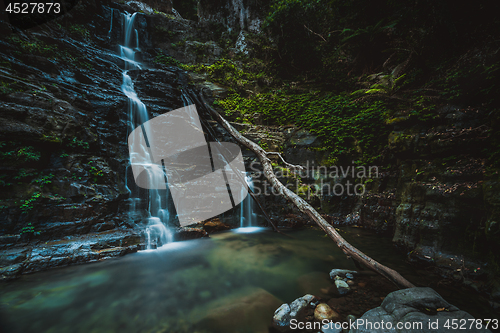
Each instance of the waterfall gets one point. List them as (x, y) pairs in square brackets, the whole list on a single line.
[(248, 218), (158, 217), (111, 23)]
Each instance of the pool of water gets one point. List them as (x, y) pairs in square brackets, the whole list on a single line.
[(230, 282)]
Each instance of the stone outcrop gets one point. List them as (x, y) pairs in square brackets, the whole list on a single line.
[(414, 306)]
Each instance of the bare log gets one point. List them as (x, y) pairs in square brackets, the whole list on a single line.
[(190, 95), (285, 162), (304, 207)]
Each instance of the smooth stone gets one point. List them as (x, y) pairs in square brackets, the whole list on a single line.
[(342, 287), (323, 311), (300, 304), (341, 273), (341, 284)]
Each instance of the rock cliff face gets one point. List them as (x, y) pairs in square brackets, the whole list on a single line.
[(434, 192), (235, 15), (64, 195), (62, 134)]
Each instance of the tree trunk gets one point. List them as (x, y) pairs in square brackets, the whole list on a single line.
[(304, 207)]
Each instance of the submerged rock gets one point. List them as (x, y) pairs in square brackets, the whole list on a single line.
[(413, 306), (316, 283), (250, 308)]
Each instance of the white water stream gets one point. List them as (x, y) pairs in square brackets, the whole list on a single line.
[(248, 218), (157, 233)]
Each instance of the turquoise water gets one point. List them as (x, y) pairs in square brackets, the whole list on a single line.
[(231, 282)]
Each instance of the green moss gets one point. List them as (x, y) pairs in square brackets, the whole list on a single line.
[(51, 138), (343, 124), (35, 46), (51, 52), (227, 72), (167, 60)]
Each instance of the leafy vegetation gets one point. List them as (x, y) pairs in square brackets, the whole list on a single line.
[(13, 151), (43, 180), (29, 229), (95, 172), (76, 143), (27, 205)]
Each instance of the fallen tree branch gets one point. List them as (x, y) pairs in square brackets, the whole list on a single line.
[(304, 207), (323, 38), (188, 97), (285, 162)]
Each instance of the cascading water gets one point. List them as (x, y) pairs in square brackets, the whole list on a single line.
[(158, 218), (247, 216)]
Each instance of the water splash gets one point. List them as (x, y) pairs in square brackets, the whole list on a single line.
[(157, 233)]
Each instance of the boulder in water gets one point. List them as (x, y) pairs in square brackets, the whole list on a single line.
[(281, 318)]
